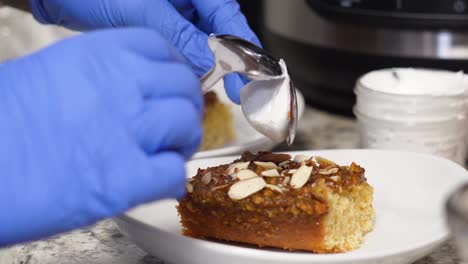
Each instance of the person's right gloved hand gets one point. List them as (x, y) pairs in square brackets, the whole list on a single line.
[(185, 23), (91, 127)]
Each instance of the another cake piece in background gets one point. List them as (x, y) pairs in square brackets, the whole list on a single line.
[(269, 200), (218, 123)]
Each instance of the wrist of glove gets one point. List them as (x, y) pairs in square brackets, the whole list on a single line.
[(90, 130), (185, 23)]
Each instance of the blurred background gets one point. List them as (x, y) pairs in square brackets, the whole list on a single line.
[(328, 44)]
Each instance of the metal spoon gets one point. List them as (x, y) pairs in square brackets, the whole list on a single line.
[(233, 54)]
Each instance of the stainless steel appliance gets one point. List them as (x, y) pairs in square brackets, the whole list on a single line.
[(328, 44)]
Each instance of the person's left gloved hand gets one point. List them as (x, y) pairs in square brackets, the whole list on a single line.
[(186, 23), (92, 126)]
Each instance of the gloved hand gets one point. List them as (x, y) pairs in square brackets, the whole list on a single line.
[(184, 22), (90, 127)]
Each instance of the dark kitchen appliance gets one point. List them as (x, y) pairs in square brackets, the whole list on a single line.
[(328, 44)]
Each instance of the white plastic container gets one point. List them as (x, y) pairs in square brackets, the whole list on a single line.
[(414, 109)]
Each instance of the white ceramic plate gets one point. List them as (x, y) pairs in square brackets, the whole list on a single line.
[(247, 138), (410, 192)]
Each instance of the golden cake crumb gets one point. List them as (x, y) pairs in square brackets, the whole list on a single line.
[(218, 123)]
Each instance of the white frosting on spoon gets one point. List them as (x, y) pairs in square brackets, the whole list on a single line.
[(266, 105)]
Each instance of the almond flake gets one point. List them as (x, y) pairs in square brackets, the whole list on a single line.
[(238, 166), (300, 177), (266, 165), (243, 189), (274, 188), (189, 187), (329, 170), (314, 159), (246, 174), (292, 171), (286, 180), (219, 187), (270, 173), (323, 161), (335, 178), (301, 158), (206, 179)]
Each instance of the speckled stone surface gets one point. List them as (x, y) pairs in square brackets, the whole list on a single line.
[(103, 243)]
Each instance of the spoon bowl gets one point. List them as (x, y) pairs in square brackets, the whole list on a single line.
[(235, 55)]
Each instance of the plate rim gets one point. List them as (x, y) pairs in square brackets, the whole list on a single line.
[(234, 250)]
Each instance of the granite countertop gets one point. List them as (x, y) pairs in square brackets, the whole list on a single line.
[(104, 244)]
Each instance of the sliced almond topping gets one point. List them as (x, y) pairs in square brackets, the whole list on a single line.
[(329, 170), (243, 189), (189, 187), (301, 158), (314, 159), (238, 166), (206, 179), (335, 178), (324, 161), (286, 180), (274, 188), (284, 163), (292, 171), (266, 165), (246, 174), (300, 177), (270, 173), (219, 187)]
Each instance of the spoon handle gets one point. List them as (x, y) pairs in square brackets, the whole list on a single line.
[(211, 78)]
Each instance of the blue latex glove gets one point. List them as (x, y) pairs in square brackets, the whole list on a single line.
[(90, 127), (184, 22)]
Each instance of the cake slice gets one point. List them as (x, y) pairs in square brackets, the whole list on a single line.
[(218, 123), (271, 200)]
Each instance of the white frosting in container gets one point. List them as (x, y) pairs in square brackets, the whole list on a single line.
[(408, 81), (415, 110)]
